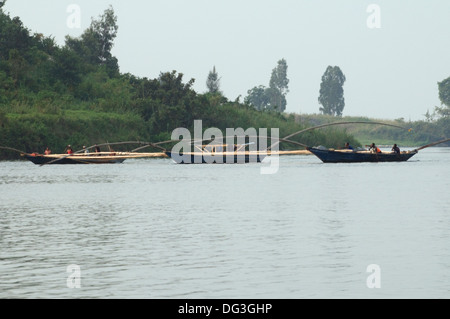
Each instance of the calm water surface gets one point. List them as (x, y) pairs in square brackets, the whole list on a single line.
[(154, 229)]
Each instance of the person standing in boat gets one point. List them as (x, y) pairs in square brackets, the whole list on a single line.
[(396, 149), (373, 148)]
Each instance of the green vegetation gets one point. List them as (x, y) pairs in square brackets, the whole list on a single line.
[(272, 98), (75, 94), (421, 133)]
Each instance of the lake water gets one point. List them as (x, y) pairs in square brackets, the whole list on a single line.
[(154, 229)]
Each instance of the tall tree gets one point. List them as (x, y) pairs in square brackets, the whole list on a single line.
[(272, 98), (97, 41), (213, 81), (279, 87), (332, 92), (105, 31)]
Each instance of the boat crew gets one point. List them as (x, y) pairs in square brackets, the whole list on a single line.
[(396, 149), (373, 148)]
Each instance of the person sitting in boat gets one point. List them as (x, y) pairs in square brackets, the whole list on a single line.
[(348, 146), (97, 149), (47, 151), (373, 148), (396, 149), (69, 150), (86, 151)]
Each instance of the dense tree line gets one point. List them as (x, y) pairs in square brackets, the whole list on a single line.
[(75, 94)]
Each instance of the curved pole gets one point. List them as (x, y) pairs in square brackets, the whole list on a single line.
[(432, 144), (13, 149), (253, 136), (154, 145), (336, 123), (210, 139)]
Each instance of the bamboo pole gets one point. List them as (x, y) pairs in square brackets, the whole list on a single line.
[(13, 149), (432, 144)]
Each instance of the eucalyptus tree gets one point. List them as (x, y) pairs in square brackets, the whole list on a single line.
[(279, 86), (332, 92)]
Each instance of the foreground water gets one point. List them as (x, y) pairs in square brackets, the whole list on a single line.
[(154, 229)]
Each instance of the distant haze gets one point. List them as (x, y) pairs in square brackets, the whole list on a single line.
[(392, 68)]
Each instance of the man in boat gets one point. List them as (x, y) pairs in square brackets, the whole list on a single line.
[(373, 148), (86, 151), (396, 149), (348, 146), (47, 151)]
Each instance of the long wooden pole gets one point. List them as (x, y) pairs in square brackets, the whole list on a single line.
[(432, 144), (253, 136), (13, 149)]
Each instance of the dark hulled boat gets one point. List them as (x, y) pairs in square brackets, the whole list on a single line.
[(40, 159), (217, 158), (349, 156)]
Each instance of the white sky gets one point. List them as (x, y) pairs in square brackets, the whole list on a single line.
[(391, 71)]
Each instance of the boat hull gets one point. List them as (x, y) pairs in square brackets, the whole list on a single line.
[(332, 156), (208, 158), (42, 159)]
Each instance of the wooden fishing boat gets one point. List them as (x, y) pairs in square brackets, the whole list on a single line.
[(228, 154), (225, 154), (349, 156), (40, 159), (91, 158), (216, 158)]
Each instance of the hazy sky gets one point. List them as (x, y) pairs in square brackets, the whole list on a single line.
[(392, 71)]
